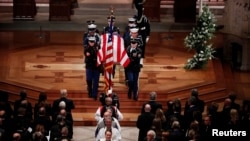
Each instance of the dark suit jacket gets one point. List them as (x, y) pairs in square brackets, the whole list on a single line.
[(144, 123), (154, 106), (69, 104)]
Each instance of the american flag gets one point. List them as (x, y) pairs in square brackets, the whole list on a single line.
[(112, 51)]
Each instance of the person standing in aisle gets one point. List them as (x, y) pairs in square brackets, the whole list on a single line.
[(92, 70), (133, 69), (144, 30)]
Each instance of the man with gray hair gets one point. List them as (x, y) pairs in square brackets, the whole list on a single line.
[(144, 122), (63, 97), (152, 102), (151, 136)]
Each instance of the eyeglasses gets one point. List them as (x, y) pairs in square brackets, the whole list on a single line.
[(133, 42), (91, 41)]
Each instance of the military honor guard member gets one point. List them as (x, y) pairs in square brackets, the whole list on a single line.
[(114, 28), (144, 30), (127, 33), (134, 68), (92, 32), (138, 4), (133, 35), (92, 71), (131, 24)]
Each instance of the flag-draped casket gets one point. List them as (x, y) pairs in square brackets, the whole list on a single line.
[(112, 52)]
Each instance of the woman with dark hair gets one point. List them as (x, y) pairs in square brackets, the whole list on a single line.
[(42, 102)]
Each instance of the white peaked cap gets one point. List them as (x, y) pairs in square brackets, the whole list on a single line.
[(92, 26), (134, 30), (131, 19), (132, 25)]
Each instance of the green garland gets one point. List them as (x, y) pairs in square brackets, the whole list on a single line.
[(198, 40)]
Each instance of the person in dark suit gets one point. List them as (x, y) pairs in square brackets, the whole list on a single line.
[(206, 129), (56, 128), (153, 103), (43, 119), (144, 122), (22, 124), (5, 104), (175, 133), (69, 103), (200, 103), (23, 102), (42, 102), (192, 112)]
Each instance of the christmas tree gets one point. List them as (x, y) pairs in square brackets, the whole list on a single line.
[(198, 40)]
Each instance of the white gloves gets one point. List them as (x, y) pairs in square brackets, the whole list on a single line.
[(147, 39)]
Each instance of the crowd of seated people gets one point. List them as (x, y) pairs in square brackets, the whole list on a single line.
[(192, 123), (46, 122)]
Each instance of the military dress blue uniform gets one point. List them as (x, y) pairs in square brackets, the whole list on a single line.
[(144, 30), (127, 43), (92, 70), (133, 69), (127, 35), (114, 31), (106, 29), (138, 4), (91, 33)]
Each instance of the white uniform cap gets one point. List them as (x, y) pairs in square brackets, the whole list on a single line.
[(134, 30), (132, 25), (92, 26), (131, 19)]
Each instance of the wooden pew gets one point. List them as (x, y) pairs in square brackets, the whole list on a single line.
[(24, 9)]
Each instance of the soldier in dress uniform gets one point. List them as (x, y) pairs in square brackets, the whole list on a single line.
[(114, 28), (114, 31), (134, 68), (127, 33), (131, 24), (92, 32), (144, 30), (138, 4), (133, 34), (89, 22), (92, 70)]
